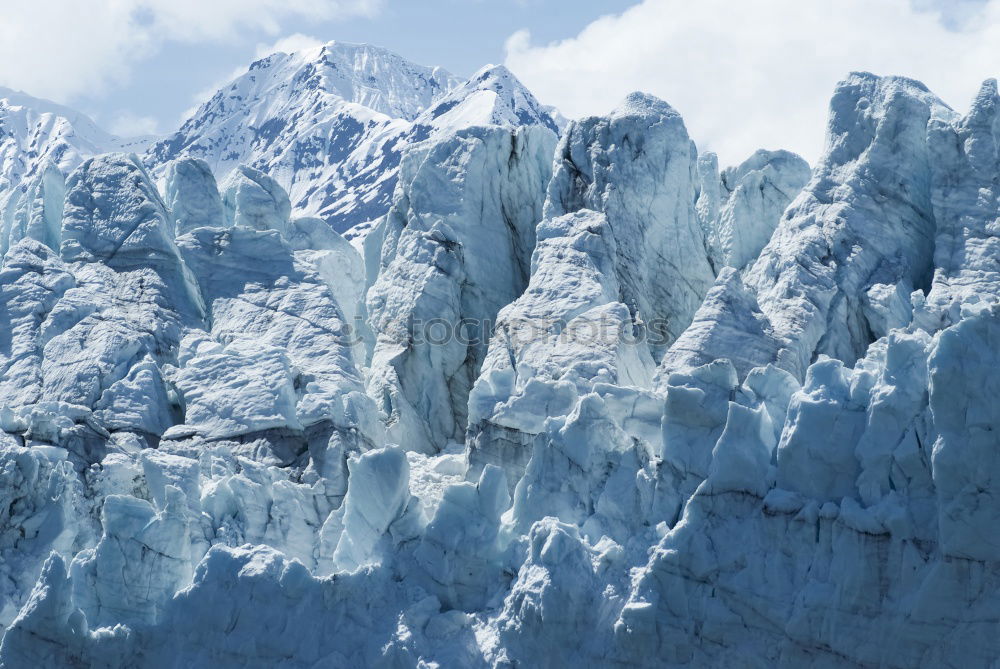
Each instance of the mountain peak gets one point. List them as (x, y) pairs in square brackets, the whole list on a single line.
[(492, 96), (493, 73), (363, 74)]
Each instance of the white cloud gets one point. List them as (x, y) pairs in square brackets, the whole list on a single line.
[(289, 44), (757, 73), (127, 124), (63, 48)]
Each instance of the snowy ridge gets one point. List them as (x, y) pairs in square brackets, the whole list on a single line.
[(678, 416)]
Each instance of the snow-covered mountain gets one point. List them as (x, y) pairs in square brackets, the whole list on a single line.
[(35, 132), (37, 135), (331, 123), (585, 399)]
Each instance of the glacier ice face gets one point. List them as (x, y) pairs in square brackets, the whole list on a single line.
[(865, 494), (41, 143), (963, 460), (288, 355), (620, 268), (111, 350), (192, 196), (878, 126), (729, 324), (33, 280), (119, 297), (456, 248), (552, 604), (139, 402), (44, 511), (824, 284), (115, 220), (638, 166), (965, 206), (142, 558), (378, 499), (460, 558), (205, 458), (342, 269), (255, 200), (38, 212), (594, 468), (749, 200), (236, 389), (552, 344)]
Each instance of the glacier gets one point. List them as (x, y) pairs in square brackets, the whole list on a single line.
[(368, 365)]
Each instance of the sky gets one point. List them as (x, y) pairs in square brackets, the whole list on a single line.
[(138, 66), (744, 74)]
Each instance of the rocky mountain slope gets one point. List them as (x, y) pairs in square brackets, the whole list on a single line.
[(585, 398)]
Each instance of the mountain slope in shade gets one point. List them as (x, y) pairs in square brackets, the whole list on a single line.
[(330, 123)]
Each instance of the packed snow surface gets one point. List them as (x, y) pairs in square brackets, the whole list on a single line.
[(579, 398)]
